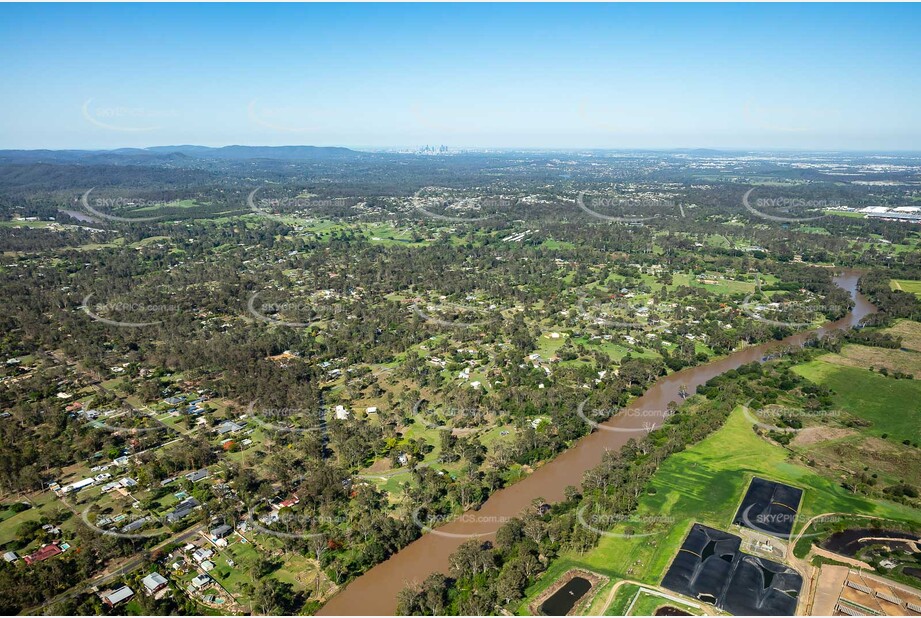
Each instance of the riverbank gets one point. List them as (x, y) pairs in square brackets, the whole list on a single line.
[(375, 592)]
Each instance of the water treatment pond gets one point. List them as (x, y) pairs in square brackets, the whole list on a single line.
[(564, 599)]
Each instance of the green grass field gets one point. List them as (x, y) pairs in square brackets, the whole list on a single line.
[(705, 483), (890, 404), (641, 603), (906, 285)]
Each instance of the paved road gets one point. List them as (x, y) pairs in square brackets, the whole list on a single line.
[(118, 571)]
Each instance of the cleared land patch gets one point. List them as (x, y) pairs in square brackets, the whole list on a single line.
[(906, 285), (704, 483), (909, 331), (890, 404), (862, 357)]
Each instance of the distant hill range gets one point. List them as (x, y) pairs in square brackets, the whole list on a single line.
[(180, 154)]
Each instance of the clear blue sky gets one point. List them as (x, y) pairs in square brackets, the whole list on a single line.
[(777, 76)]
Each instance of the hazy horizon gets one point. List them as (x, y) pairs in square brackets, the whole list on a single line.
[(734, 77)]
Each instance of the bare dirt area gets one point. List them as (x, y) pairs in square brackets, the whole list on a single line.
[(381, 465), (827, 588), (866, 357), (813, 435), (893, 461)]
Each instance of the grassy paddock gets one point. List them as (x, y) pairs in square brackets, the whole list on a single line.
[(890, 404), (906, 285), (705, 484)]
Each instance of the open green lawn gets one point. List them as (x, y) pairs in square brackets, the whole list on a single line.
[(846, 213), (705, 484), (906, 285), (236, 578), (44, 504), (630, 600), (724, 287), (890, 404)]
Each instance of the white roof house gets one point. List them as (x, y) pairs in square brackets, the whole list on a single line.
[(153, 582), (118, 596)]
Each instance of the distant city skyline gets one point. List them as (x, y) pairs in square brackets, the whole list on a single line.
[(599, 76)]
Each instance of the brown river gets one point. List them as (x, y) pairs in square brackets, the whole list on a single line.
[(375, 592)]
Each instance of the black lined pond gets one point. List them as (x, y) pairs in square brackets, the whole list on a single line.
[(564, 599)]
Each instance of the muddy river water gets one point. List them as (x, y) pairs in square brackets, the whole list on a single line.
[(375, 592)]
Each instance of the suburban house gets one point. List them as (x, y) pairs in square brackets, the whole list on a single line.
[(43, 553), (118, 596), (154, 583), (198, 475), (182, 510), (200, 581), (228, 427)]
